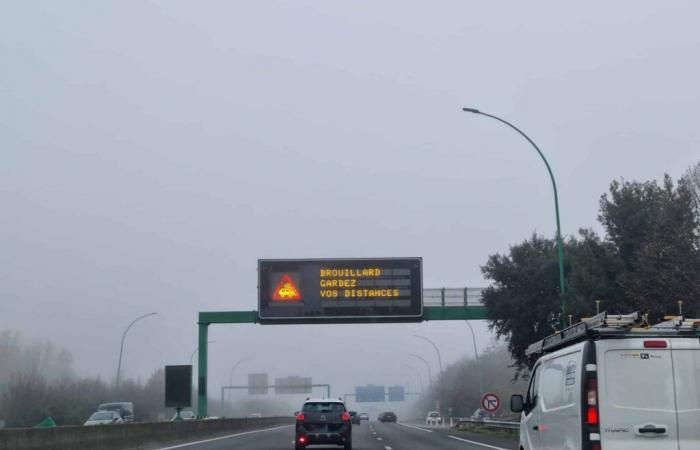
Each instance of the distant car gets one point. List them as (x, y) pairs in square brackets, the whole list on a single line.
[(254, 416), (323, 421), (433, 418), (364, 416), (104, 418), (387, 417), (184, 415), (481, 415), (354, 418), (125, 410)]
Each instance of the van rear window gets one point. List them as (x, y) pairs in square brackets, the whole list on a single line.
[(639, 379)]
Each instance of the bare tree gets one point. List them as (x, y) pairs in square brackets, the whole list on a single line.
[(692, 177)]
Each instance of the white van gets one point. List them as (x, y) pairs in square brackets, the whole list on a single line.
[(606, 384)]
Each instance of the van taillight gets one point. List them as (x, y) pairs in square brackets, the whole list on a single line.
[(592, 416), (300, 416), (592, 401), (655, 344), (595, 446), (345, 417)]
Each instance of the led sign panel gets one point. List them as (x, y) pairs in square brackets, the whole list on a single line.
[(340, 290)]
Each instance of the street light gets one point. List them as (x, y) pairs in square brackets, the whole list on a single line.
[(420, 377), (442, 373), (196, 350), (230, 378), (121, 349), (560, 244), (427, 366), (478, 367)]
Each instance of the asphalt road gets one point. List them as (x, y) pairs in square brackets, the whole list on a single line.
[(368, 436)]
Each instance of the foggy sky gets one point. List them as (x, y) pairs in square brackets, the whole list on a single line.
[(153, 151)]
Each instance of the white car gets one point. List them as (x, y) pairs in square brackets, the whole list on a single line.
[(612, 383), (104, 418), (184, 415), (433, 418)]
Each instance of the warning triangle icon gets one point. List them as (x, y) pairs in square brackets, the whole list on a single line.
[(286, 290)]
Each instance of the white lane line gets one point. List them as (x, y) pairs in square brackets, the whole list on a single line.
[(477, 443), (386, 447), (224, 437), (379, 439), (415, 428)]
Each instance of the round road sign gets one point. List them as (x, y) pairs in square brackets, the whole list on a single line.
[(490, 402)]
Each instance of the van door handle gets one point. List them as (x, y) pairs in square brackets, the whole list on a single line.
[(657, 430), (651, 430)]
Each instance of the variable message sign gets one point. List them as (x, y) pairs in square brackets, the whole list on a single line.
[(340, 290), (257, 383), (293, 385), (178, 386), (396, 393), (369, 393)]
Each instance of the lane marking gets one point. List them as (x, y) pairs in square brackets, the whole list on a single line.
[(379, 439), (477, 443), (224, 437), (415, 428), (386, 447)]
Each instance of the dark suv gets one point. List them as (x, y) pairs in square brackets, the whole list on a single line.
[(323, 421), (387, 417)]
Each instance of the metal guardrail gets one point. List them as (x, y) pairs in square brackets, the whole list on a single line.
[(507, 424), (447, 297)]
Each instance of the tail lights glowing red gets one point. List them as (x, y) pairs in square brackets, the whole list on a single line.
[(592, 401), (592, 415), (300, 416), (302, 439), (345, 417)]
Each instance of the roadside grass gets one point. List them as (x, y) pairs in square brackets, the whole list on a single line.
[(489, 431)]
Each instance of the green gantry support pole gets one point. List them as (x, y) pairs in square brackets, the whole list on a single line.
[(202, 369)]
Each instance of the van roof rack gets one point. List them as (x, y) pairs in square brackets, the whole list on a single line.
[(609, 324)]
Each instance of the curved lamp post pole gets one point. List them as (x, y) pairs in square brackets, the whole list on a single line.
[(196, 350), (420, 377), (478, 367), (560, 244), (121, 349), (230, 378), (442, 373), (427, 366)]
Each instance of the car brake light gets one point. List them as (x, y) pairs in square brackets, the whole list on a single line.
[(302, 439), (655, 344), (300, 416), (345, 417), (595, 446)]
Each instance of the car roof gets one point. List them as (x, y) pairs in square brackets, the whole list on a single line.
[(323, 400)]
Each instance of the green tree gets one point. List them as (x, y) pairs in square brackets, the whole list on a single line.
[(648, 260), (655, 231), (523, 303)]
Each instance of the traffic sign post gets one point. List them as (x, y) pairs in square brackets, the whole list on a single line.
[(334, 291), (490, 402)]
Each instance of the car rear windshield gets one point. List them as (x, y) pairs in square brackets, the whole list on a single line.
[(323, 407)]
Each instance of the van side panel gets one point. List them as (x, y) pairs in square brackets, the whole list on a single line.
[(686, 369), (560, 393), (636, 392)]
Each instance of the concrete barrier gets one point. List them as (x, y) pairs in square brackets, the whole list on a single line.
[(131, 436)]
